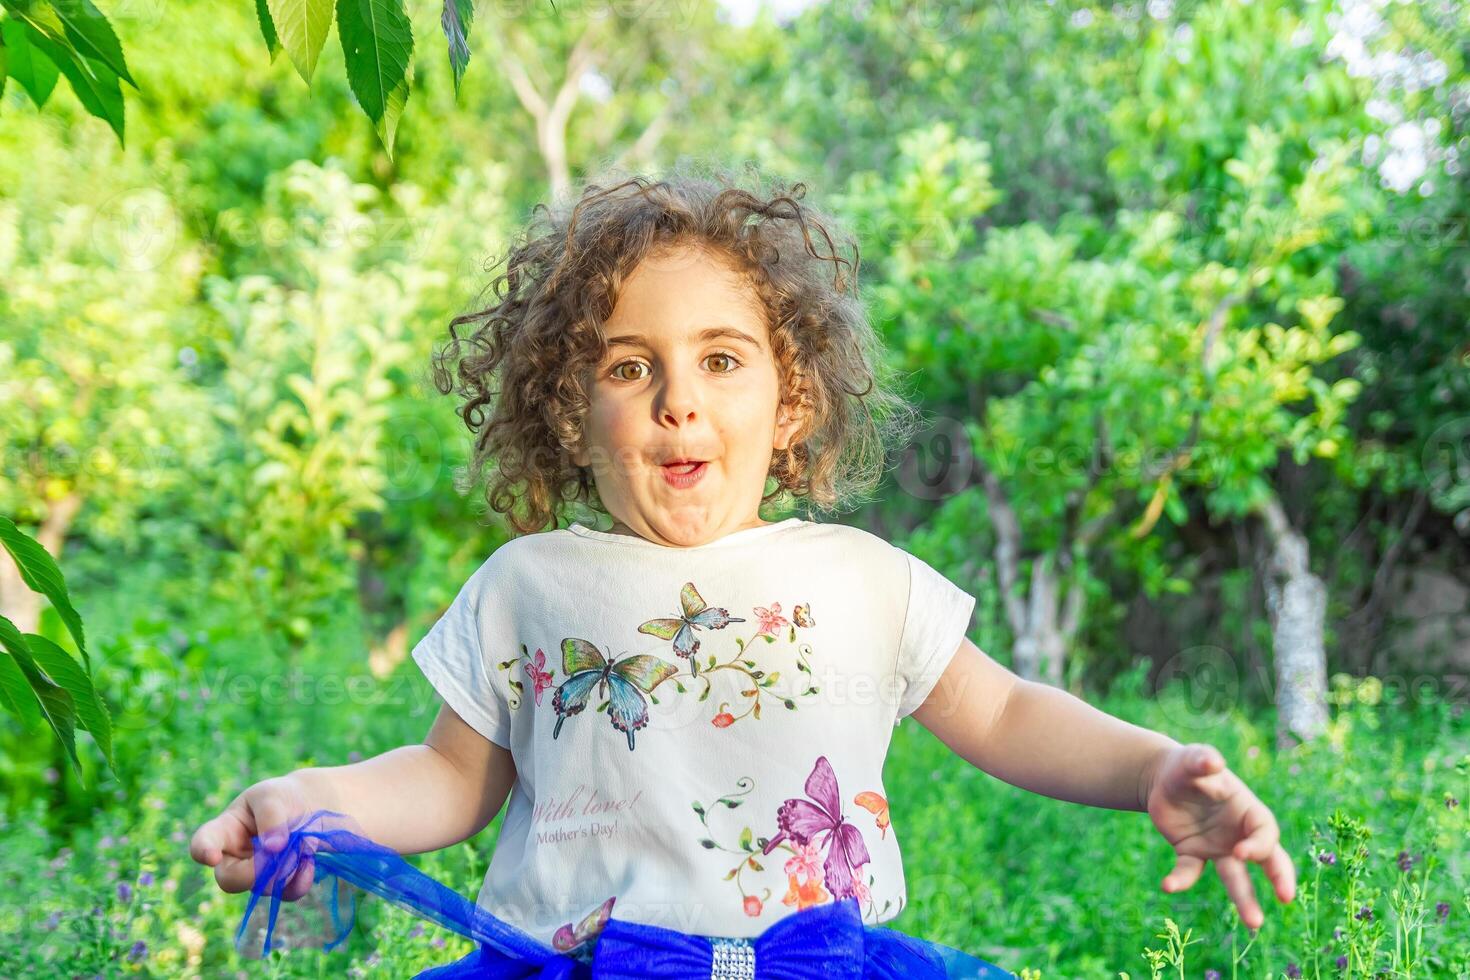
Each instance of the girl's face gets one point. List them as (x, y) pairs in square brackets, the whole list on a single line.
[(689, 375)]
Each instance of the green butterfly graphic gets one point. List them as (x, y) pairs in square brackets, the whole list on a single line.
[(623, 681)]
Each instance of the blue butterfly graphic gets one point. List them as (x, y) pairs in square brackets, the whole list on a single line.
[(623, 681), (697, 615)]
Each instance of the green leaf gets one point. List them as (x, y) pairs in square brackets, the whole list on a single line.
[(377, 41), (91, 710), (35, 72), (96, 86), (267, 29), (301, 27), (15, 690), (56, 705), (456, 20), (40, 572), (93, 37)]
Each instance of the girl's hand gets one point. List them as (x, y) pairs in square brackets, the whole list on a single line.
[(224, 842), (1206, 813)]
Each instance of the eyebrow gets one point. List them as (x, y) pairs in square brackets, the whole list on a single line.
[(709, 333)]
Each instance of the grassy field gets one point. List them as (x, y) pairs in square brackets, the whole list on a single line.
[(99, 882)]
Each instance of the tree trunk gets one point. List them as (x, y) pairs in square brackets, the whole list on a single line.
[(18, 603), (1041, 638), (1045, 622), (1296, 601), (551, 109)]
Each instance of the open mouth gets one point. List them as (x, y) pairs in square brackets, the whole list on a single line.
[(684, 473)]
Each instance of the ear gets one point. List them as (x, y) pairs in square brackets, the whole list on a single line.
[(788, 424)]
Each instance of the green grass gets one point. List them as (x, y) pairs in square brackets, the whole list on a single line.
[(1037, 885)]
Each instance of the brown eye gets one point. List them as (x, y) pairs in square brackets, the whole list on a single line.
[(734, 362), (619, 367)]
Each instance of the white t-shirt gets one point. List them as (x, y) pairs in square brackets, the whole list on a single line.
[(726, 770)]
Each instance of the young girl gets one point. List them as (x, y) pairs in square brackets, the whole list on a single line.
[(690, 710)]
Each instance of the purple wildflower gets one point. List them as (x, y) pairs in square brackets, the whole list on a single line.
[(1406, 860), (1212, 975), (1293, 971), (1327, 857), (1442, 909), (139, 950), (1337, 933), (1342, 962), (437, 942), (52, 921), (124, 891), (145, 879), (1450, 802), (1365, 913), (416, 931)]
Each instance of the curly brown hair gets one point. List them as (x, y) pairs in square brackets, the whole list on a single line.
[(526, 378)]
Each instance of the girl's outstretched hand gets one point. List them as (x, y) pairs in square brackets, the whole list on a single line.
[(224, 844), (1206, 813)]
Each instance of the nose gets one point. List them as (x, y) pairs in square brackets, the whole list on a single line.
[(678, 399)]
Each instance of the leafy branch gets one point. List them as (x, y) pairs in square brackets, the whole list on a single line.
[(39, 679)]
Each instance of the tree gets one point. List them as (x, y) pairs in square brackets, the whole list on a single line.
[(94, 339)]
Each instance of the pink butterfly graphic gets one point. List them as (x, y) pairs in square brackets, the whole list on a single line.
[(569, 936), (805, 820), (540, 676)]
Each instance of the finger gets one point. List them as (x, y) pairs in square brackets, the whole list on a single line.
[(1238, 886), (1263, 838), (1205, 759), (1202, 774), (235, 874), (225, 835), (1186, 872), (301, 881), (273, 817), (1282, 873)]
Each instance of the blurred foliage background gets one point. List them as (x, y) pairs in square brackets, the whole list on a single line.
[(1181, 284)]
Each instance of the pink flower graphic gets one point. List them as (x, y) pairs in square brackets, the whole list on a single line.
[(771, 619), (540, 676), (805, 862)]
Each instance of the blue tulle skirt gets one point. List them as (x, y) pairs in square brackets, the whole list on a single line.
[(826, 941)]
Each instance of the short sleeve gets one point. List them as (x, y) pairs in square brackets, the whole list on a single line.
[(452, 657), (935, 622)]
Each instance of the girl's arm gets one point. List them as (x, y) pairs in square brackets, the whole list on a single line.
[(1039, 737), (413, 798), (419, 797)]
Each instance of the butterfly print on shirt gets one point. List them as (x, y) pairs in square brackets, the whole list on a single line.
[(877, 806), (697, 615), (621, 686), (623, 681), (578, 941), (808, 872), (819, 821), (754, 682)]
